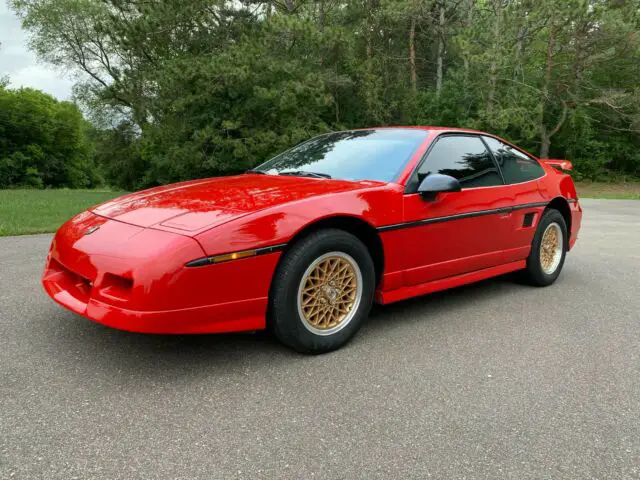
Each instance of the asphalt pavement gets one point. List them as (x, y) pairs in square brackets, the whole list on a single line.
[(492, 380)]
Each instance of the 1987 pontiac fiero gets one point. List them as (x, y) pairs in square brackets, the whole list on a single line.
[(304, 243)]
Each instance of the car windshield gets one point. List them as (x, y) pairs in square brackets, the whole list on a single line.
[(353, 155)]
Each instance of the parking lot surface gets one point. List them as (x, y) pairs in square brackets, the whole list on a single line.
[(492, 380)]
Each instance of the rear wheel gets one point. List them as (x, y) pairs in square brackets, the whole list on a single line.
[(322, 291), (548, 249)]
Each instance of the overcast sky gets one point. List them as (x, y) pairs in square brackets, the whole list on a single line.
[(21, 65)]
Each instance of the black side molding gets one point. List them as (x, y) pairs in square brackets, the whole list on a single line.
[(448, 218)]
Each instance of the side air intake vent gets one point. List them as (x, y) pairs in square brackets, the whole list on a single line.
[(528, 219)]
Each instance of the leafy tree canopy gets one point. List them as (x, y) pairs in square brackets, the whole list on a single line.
[(192, 88), (43, 142)]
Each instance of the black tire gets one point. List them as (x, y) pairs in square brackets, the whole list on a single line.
[(286, 322), (535, 274)]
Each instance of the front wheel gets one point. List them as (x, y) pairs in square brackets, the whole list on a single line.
[(548, 249), (322, 291)]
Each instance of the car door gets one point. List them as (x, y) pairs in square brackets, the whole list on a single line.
[(521, 173), (456, 232)]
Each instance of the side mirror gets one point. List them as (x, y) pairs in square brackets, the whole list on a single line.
[(438, 183)]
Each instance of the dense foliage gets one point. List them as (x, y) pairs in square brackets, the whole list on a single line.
[(191, 88), (43, 142)]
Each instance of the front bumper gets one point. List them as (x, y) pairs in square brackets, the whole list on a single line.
[(135, 279), (236, 316)]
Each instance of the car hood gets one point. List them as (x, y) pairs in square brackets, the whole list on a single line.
[(191, 207)]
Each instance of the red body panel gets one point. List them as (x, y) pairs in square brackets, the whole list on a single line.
[(130, 272)]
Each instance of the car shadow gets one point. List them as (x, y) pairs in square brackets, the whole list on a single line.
[(105, 351), (447, 299)]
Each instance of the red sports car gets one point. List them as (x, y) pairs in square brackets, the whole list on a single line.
[(306, 242)]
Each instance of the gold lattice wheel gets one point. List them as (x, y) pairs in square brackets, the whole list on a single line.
[(329, 293), (551, 247)]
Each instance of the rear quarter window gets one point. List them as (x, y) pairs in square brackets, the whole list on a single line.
[(517, 167)]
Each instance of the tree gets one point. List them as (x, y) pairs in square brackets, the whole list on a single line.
[(43, 142), (191, 88)]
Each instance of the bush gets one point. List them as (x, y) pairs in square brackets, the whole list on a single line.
[(43, 142)]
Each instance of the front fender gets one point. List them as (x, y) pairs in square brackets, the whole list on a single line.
[(376, 206)]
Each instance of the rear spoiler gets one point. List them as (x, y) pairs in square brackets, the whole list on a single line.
[(560, 164)]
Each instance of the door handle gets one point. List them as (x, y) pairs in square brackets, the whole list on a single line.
[(505, 212)]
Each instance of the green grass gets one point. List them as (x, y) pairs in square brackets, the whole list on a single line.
[(39, 211), (618, 190)]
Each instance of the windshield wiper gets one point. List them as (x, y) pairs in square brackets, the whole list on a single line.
[(302, 173), (257, 172)]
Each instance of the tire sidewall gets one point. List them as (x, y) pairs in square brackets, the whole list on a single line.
[(534, 267), (287, 323)]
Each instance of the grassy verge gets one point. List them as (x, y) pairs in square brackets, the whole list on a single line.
[(39, 211), (627, 190)]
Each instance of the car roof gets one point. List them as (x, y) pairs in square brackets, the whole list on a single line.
[(444, 129), (425, 127)]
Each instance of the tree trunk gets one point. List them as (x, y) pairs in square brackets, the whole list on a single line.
[(412, 55), (495, 53), (518, 70), (439, 59), (321, 20), (369, 47), (545, 136), (545, 143), (549, 66), (470, 11), (372, 6), (321, 15), (290, 4), (371, 27)]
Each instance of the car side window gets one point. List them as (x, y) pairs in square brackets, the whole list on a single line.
[(464, 158), (516, 166)]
